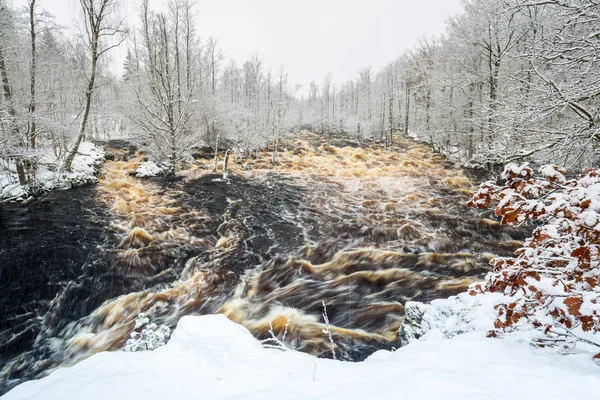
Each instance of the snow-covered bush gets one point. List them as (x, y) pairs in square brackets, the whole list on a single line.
[(147, 336), (554, 279)]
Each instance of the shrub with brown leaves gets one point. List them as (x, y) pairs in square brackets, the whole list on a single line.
[(554, 279)]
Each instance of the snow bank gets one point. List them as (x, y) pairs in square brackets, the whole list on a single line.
[(10, 188), (149, 168), (450, 317), (49, 175), (84, 168), (211, 357)]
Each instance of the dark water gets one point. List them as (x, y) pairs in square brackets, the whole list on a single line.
[(257, 249), (44, 246)]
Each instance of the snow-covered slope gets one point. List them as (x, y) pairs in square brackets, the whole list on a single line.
[(210, 357), (50, 176)]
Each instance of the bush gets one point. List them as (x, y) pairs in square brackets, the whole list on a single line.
[(553, 280)]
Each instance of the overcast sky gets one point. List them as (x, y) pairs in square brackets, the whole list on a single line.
[(311, 37)]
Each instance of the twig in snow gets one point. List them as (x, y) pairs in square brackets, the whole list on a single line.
[(278, 344), (328, 330)]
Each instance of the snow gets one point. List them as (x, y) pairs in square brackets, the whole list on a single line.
[(149, 168), (451, 317), (84, 167), (553, 172), (214, 358), (49, 175), (147, 336), (9, 189)]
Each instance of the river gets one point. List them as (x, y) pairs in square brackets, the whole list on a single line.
[(359, 228)]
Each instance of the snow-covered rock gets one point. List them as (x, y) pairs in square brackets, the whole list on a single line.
[(148, 169), (211, 357), (450, 317), (11, 190)]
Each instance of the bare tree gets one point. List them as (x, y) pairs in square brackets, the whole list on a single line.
[(98, 28), (284, 97), (15, 134), (165, 100), (32, 126), (214, 56), (562, 117)]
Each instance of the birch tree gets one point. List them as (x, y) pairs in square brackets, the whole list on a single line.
[(102, 34), (32, 31), (14, 140), (509, 81)]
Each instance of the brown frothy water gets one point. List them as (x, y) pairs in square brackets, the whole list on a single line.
[(359, 266), (363, 229)]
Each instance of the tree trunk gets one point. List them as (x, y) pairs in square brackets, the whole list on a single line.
[(427, 115), (391, 122), (216, 153), (407, 110), (88, 105), (7, 93), (32, 125), (95, 25), (177, 57), (470, 149), (383, 130), (276, 148)]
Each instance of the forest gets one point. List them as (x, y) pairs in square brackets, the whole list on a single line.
[(509, 81), (221, 217)]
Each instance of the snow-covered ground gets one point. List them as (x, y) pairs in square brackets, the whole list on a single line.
[(49, 175), (210, 357)]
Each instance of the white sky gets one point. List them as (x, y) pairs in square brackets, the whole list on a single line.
[(311, 37)]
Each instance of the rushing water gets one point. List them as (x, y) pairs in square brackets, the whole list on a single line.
[(362, 229)]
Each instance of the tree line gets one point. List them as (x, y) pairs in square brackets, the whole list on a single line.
[(509, 81), (177, 94)]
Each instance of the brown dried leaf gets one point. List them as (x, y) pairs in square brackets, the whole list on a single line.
[(573, 305)]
